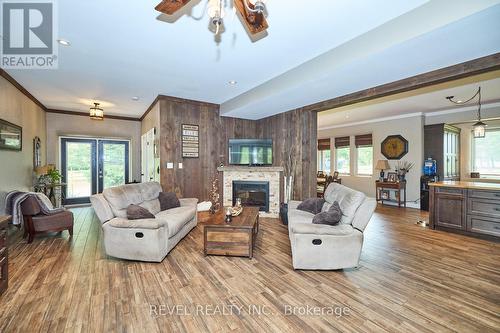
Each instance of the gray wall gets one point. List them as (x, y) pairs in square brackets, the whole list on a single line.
[(69, 125), (16, 167)]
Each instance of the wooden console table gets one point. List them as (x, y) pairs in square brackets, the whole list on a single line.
[(397, 187), (4, 260)]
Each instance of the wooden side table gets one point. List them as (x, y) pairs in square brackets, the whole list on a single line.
[(4, 259), (397, 187)]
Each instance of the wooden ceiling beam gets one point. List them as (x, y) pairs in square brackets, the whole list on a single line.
[(446, 74)]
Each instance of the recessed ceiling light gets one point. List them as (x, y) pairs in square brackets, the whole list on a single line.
[(135, 98), (64, 42), (232, 82)]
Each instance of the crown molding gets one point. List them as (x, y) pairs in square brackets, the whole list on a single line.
[(16, 84), (86, 114)]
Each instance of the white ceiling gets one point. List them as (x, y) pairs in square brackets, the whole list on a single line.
[(313, 52), (427, 101)]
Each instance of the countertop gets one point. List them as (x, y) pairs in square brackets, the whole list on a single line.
[(468, 185)]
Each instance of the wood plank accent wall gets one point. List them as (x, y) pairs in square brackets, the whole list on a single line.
[(297, 129), (194, 179), (296, 133)]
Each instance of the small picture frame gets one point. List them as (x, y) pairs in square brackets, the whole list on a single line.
[(392, 177), (384, 195), (336, 175)]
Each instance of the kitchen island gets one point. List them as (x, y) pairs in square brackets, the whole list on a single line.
[(471, 208)]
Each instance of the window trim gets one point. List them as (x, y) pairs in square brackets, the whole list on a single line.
[(473, 154)]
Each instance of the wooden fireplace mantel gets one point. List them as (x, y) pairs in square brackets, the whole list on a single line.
[(251, 168)]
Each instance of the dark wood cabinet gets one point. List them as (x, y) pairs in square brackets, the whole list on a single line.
[(470, 210), (450, 208), (4, 259), (442, 143)]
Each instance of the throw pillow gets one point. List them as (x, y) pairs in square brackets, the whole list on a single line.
[(168, 200), (311, 205), (331, 217), (135, 212)]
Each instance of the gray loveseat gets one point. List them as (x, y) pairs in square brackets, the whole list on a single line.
[(324, 247), (145, 239)]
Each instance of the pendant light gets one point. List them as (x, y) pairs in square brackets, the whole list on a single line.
[(479, 128)]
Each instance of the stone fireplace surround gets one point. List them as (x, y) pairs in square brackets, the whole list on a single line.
[(263, 174)]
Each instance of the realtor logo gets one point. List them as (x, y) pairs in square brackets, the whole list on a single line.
[(28, 34)]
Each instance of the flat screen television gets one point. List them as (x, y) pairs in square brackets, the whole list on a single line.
[(250, 151)]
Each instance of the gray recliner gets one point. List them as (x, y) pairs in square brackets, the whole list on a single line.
[(324, 247), (144, 239)]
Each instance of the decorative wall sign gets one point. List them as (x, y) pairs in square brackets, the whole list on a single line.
[(11, 136), (394, 147), (37, 152), (190, 141)]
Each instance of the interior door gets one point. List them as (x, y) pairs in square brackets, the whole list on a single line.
[(79, 169), (113, 163), (148, 162)]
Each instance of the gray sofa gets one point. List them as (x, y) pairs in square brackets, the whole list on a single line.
[(324, 247), (146, 239)]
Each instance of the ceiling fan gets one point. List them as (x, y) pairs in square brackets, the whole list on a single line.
[(251, 12)]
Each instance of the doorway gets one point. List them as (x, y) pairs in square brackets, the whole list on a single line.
[(90, 165)]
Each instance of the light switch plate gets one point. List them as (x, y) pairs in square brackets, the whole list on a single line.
[(170, 165), (180, 165)]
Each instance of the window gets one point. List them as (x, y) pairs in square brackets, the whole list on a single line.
[(365, 160), (324, 155), (364, 155), (343, 160), (324, 161), (343, 155), (486, 153)]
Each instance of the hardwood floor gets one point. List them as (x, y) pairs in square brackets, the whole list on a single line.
[(411, 279)]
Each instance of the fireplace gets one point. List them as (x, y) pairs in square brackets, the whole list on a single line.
[(252, 193)]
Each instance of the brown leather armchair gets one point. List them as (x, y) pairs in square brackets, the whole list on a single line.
[(37, 222)]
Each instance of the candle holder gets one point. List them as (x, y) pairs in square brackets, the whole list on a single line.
[(229, 215)]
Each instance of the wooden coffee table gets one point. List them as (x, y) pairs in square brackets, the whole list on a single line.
[(236, 238)]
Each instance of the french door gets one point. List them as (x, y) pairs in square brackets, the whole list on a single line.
[(91, 165)]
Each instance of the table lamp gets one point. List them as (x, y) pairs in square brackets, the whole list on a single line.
[(382, 165)]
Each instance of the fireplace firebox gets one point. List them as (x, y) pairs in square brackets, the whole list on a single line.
[(252, 193)]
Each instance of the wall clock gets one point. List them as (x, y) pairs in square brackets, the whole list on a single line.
[(394, 147)]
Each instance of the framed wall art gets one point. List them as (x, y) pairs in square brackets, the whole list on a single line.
[(394, 147), (11, 136), (190, 141)]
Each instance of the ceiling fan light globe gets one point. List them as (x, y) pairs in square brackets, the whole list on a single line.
[(215, 10)]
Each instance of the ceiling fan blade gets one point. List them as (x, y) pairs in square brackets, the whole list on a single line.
[(254, 22), (169, 7)]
